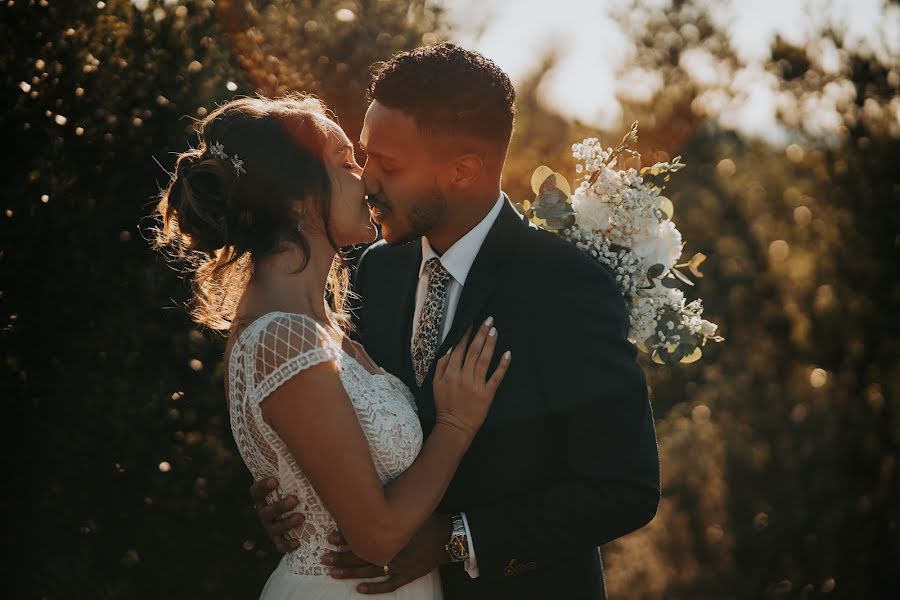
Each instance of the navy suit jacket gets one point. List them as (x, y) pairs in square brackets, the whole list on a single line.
[(567, 457)]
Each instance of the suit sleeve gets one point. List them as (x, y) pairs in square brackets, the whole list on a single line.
[(596, 394)]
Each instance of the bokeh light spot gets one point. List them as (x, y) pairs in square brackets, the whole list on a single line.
[(726, 167), (802, 215), (795, 153), (345, 15), (818, 377), (779, 250), (700, 414)]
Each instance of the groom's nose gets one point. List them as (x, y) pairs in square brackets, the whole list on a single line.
[(372, 185)]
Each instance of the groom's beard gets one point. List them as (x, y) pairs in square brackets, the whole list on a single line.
[(423, 216)]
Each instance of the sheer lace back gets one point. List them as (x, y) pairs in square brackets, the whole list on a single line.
[(268, 353)]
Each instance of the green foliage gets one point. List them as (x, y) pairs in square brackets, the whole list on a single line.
[(125, 482)]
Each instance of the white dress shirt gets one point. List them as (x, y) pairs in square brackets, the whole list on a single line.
[(458, 261)]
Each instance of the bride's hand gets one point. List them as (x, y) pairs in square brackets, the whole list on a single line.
[(462, 391)]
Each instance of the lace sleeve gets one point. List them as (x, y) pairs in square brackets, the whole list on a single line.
[(287, 344)]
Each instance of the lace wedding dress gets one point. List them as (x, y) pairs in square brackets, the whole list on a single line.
[(270, 351)]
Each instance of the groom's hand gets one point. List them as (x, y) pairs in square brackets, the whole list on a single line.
[(424, 552), (272, 516)]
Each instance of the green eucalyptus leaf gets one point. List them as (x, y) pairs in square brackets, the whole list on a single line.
[(559, 223), (666, 207), (681, 276), (655, 271), (671, 283), (550, 197), (561, 209), (660, 356), (694, 356)]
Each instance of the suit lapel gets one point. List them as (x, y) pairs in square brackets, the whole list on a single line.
[(402, 316), (485, 272), (480, 285)]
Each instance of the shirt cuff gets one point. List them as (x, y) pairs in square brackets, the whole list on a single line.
[(470, 564)]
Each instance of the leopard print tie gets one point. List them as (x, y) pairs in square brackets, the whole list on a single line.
[(428, 329)]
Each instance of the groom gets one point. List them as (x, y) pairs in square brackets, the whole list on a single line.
[(567, 458)]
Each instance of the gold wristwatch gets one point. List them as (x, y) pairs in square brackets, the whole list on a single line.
[(458, 546)]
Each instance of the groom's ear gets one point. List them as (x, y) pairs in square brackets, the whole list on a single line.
[(467, 169)]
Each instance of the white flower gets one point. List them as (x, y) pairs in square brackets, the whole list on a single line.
[(591, 211), (663, 248), (707, 328), (674, 298), (643, 319)]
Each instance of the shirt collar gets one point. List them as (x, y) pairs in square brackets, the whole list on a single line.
[(459, 257)]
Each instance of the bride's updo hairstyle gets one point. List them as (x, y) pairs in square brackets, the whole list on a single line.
[(230, 200)]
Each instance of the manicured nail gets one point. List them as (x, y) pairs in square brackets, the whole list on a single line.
[(507, 355), (489, 321), (492, 332)]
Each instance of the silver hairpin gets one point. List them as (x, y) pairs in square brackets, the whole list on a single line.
[(218, 150), (238, 165)]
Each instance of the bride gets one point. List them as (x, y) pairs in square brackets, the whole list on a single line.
[(260, 209)]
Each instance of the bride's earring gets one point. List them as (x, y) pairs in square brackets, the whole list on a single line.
[(299, 222)]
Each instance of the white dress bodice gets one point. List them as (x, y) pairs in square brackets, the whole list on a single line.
[(270, 351)]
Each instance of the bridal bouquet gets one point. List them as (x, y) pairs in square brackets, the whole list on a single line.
[(621, 219)]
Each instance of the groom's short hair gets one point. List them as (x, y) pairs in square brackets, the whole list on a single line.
[(448, 90)]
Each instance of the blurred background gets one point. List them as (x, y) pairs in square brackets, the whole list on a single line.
[(779, 449)]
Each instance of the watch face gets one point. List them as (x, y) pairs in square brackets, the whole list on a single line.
[(458, 548)]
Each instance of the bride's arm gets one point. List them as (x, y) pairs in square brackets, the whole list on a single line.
[(316, 420)]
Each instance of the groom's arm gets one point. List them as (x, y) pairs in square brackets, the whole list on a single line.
[(609, 476)]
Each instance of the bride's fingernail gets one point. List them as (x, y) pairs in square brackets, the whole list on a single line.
[(507, 355), (489, 321), (492, 332)]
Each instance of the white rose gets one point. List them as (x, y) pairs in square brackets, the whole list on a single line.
[(708, 328), (663, 248), (591, 212)]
